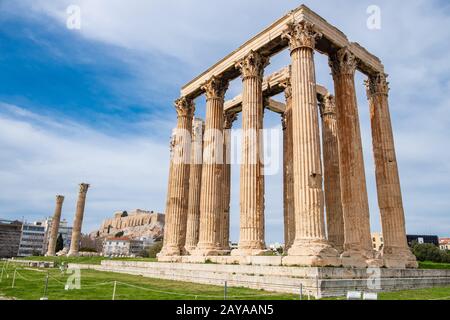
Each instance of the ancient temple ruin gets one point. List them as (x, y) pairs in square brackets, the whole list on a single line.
[(316, 175)]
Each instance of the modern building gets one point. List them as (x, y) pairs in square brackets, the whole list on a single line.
[(444, 243), (377, 241), (10, 232), (32, 239), (423, 239), (63, 230), (123, 246)]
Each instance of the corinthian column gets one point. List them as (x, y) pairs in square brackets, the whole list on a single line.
[(288, 173), (55, 226), (251, 240), (78, 222), (177, 204), (396, 253), (229, 118), (357, 244), (335, 219), (211, 202), (310, 246), (195, 182)]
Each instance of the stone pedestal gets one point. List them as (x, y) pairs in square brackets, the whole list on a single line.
[(211, 202), (55, 227), (195, 182), (358, 244), (395, 253), (78, 222), (332, 186), (310, 247), (251, 240), (177, 201)]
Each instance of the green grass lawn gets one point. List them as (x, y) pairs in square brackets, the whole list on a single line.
[(84, 260), (433, 265), (95, 285)]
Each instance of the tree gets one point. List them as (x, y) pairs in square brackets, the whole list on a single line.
[(59, 243), (155, 249)]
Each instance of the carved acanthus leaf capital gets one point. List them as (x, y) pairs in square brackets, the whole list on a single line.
[(377, 85), (252, 65), (59, 199), (228, 119), (327, 105), (185, 107), (343, 62), (215, 88), (84, 187), (301, 35)]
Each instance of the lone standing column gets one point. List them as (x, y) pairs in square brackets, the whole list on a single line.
[(211, 202), (335, 219), (358, 250), (251, 239), (310, 246), (177, 201), (229, 118), (78, 222), (195, 183), (288, 173), (396, 253), (55, 227)]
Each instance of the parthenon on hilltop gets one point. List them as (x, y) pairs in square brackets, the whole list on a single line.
[(318, 173)]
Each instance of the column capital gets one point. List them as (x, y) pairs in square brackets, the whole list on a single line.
[(228, 119), (59, 199), (377, 85), (301, 35), (252, 65), (84, 187), (343, 62), (215, 88), (327, 105), (185, 107)]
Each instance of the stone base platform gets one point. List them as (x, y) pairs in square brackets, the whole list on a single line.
[(316, 281)]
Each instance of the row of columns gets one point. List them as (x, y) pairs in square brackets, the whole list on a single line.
[(347, 240)]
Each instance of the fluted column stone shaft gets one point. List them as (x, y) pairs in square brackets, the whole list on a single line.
[(396, 252), (357, 245), (211, 202), (251, 239), (229, 118), (55, 227), (177, 202), (195, 182), (78, 221), (332, 185), (310, 246), (288, 174)]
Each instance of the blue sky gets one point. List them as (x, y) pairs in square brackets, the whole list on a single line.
[(95, 104)]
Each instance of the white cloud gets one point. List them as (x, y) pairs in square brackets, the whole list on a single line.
[(42, 157)]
